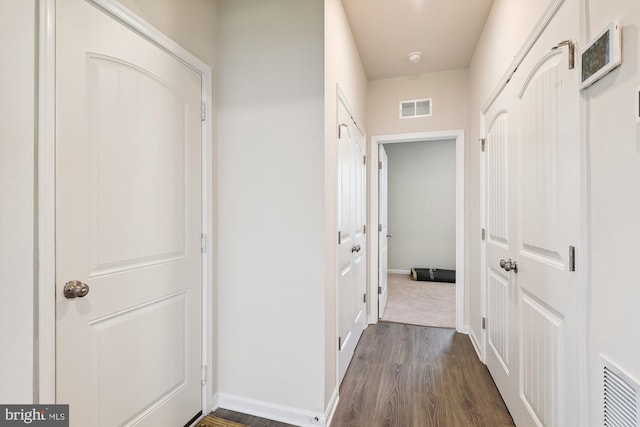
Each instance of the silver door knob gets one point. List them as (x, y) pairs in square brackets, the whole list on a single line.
[(75, 289), (354, 248), (509, 265)]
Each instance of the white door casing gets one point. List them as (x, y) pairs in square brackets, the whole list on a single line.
[(532, 217), (383, 231), (351, 237), (378, 140), (128, 223)]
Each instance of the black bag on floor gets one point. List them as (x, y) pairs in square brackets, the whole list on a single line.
[(433, 275)]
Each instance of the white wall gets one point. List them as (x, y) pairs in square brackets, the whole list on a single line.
[(271, 268), (449, 91), (17, 215), (342, 67), (613, 144), (191, 23), (422, 204)]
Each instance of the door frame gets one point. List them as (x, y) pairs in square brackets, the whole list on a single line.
[(458, 135), (341, 100), (44, 303), (584, 237)]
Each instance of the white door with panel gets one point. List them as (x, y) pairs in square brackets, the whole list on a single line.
[(383, 231), (351, 238), (128, 225), (532, 221)]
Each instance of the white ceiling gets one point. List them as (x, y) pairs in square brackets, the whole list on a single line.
[(386, 31)]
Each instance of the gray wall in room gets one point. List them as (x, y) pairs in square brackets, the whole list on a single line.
[(422, 204)]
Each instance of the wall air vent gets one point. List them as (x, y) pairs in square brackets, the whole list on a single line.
[(620, 397), (415, 108)]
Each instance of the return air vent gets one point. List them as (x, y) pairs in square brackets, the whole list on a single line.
[(415, 108), (620, 397)]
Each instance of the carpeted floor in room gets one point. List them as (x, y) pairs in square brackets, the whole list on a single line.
[(420, 303)]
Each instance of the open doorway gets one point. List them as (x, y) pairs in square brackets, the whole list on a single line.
[(417, 206), (377, 267)]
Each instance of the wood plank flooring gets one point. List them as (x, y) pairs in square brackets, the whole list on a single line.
[(406, 375), (411, 376)]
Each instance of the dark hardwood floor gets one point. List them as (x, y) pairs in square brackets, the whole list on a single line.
[(405, 375), (411, 376)]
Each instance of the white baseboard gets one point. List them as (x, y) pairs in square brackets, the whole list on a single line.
[(271, 411), (399, 271), (476, 344), (331, 409)]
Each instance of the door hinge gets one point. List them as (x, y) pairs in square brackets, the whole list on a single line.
[(482, 143), (203, 111), (364, 160), (364, 298), (380, 165), (203, 379), (484, 234), (340, 129), (484, 323), (339, 343), (379, 227), (364, 229), (203, 242), (572, 258), (379, 290), (339, 237), (572, 51)]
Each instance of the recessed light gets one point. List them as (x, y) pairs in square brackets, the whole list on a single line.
[(414, 57)]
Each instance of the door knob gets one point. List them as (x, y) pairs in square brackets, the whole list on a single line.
[(388, 236), (75, 289), (354, 248), (509, 265)]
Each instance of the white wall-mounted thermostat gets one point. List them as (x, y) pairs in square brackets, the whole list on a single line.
[(602, 55)]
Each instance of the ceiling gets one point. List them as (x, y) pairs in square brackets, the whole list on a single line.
[(386, 31)]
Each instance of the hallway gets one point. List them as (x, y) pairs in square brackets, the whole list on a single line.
[(406, 375)]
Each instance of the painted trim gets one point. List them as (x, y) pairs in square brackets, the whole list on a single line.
[(46, 378), (271, 411), (342, 99), (45, 299), (476, 344), (333, 405), (541, 25), (458, 135)]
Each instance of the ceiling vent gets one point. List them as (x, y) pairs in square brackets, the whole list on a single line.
[(415, 108), (620, 397)]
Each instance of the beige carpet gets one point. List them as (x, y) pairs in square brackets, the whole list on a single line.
[(420, 303)]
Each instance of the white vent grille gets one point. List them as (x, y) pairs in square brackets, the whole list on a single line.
[(415, 108), (620, 397)]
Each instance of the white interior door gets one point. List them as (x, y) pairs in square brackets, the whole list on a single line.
[(383, 230), (128, 224), (351, 240), (532, 157)]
